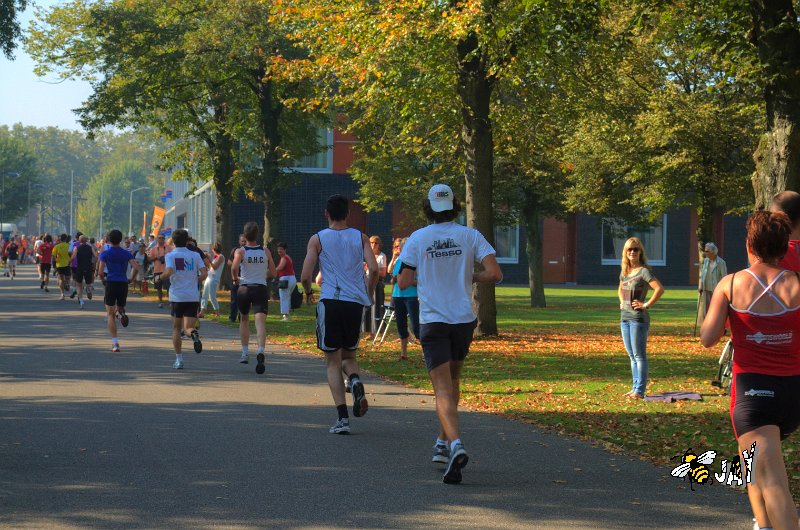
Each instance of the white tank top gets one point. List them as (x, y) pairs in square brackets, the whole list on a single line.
[(254, 266), (341, 262)]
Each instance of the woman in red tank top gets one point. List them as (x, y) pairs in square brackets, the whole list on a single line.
[(763, 305), (286, 280)]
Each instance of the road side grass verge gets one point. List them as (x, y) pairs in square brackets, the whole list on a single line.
[(565, 368)]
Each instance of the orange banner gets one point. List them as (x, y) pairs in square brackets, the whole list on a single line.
[(158, 220)]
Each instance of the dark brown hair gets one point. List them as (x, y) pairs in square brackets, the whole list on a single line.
[(788, 202), (251, 231), (441, 217), (768, 235)]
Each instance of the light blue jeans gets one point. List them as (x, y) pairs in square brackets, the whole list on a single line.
[(634, 336)]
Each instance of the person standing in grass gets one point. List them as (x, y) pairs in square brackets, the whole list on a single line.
[(635, 280), (762, 304), (442, 257), (405, 301)]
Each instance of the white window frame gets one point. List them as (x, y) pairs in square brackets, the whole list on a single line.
[(654, 262), (515, 229), (328, 158)]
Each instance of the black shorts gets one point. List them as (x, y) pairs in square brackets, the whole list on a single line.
[(252, 295), (116, 294), (443, 342), (185, 309), (338, 325), (66, 272), (44, 268), (85, 275), (758, 400)]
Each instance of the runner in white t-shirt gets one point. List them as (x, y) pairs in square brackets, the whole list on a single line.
[(443, 255), (184, 268)]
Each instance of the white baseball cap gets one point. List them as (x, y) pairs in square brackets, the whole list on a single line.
[(440, 197)]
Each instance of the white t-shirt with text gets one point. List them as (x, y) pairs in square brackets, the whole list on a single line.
[(444, 256), (183, 282)]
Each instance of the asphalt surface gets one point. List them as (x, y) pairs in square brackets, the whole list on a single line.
[(94, 439)]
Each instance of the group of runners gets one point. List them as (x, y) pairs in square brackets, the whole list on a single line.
[(439, 259)]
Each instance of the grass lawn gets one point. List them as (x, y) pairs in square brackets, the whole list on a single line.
[(565, 368)]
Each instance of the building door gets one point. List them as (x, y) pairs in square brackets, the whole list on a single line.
[(555, 251)]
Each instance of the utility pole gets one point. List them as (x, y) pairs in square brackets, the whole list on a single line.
[(71, 199)]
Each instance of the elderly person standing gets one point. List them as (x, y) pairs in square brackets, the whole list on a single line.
[(711, 272)]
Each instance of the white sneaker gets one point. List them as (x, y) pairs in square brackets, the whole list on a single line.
[(341, 427), (178, 365), (245, 358), (286, 318), (81, 303), (62, 296)]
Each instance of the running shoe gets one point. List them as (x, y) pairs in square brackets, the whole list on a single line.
[(72, 295), (123, 319), (46, 290), (198, 346), (160, 305), (458, 459), (441, 453), (342, 427), (244, 359), (360, 403), (81, 303), (178, 365), (62, 296), (42, 285), (89, 295), (184, 336), (115, 348), (260, 368)]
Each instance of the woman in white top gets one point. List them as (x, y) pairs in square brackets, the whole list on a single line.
[(212, 281)]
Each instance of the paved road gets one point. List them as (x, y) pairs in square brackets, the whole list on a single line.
[(94, 439)]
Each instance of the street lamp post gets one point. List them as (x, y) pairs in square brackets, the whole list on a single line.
[(130, 208)]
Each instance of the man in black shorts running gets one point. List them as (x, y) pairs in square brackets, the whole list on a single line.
[(185, 268), (252, 266), (116, 260), (442, 257), (84, 272), (341, 252)]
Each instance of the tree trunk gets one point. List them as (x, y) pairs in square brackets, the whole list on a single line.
[(777, 37), (475, 90), (533, 248), (221, 145), (270, 185), (705, 224)]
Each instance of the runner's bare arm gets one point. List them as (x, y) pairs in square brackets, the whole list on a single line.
[(491, 271), (237, 260), (714, 324), (310, 262)]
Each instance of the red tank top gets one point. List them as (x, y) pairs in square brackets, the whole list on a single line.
[(766, 344), (791, 260), (289, 270)]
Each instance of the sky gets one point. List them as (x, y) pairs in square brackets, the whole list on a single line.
[(30, 100)]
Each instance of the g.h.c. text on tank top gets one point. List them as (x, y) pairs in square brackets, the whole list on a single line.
[(341, 262), (254, 266), (766, 343)]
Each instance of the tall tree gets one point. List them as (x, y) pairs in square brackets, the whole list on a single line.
[(10, 31)]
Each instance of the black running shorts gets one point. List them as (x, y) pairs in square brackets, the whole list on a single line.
[(85, 275), (338, 325), (66, 272), (443, 343), (44, 268), (185, 309), (116, 294), (758, 400), (252, 295)]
